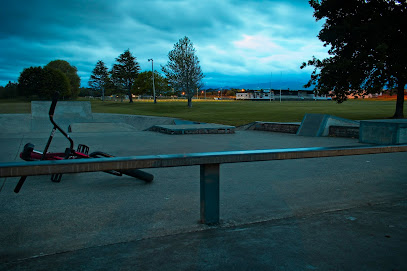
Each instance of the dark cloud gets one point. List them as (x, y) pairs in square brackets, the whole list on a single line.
[(234, 38)]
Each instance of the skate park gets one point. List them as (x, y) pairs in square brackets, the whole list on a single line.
[(344, 212)]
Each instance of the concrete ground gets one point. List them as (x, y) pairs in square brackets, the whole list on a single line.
[(340, 213)]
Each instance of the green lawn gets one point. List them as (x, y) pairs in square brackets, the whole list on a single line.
[(234, 112), (242, 112)]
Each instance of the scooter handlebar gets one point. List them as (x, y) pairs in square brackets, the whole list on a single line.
[(53, 104)]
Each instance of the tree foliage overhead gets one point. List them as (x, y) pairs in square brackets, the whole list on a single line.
[(125, 72), (71, 73), (99, 78), (182, 69), (367, 40)]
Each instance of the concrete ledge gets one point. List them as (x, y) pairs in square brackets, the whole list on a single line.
[(383, 131), (193, 129), (279, 127), (344, 131), (182, 122)]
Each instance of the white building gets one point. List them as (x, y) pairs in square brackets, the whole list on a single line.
[(264, 94)]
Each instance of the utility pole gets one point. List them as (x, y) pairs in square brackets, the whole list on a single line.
[(271, 78), (152, 69), (281, 75)]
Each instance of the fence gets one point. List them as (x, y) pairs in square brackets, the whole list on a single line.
[(209, 166)]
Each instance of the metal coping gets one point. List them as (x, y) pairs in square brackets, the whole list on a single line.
[(16, 169)]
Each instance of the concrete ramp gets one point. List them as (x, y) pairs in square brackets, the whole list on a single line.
[(75, 117), (318, 124), (64, 109), (186, 122), (140, 123), (65, 114), (207, 128)]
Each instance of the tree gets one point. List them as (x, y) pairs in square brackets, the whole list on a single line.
[(144, 84), (11, 90), (83, 92), (182, 69), (162, 86), (55, 80), (230, 93), (125, 72), (99, 78), (30, 81), (42, 82), (71, 73), (367, 41)]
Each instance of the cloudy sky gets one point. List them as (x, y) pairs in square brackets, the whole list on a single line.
[(238, 42)]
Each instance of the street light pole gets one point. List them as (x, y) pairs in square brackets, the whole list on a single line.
[(271, 78), (281, 75), (152, 69)]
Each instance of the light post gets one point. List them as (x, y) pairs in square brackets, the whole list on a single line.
[(152, 69), (281, 75), (271, 78)]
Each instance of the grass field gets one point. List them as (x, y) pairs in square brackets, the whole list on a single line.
[(233, 112)]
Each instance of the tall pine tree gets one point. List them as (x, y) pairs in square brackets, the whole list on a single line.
[(99, 78), (125, 72)]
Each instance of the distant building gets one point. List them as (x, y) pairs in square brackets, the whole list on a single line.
[(264, 94), (286, 95)]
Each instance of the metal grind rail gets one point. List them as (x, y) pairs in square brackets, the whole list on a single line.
[(209, 166)]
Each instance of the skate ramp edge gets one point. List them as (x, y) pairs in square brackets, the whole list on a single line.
[(318, 124)]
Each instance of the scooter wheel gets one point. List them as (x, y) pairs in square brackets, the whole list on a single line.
[(26, 153)]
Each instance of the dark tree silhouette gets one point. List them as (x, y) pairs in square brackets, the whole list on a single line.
[(367, 41), (71, 73), (43, 83), (99, 78), (125, 72)]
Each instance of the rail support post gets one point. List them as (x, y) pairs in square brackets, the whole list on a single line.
[(210, 194)]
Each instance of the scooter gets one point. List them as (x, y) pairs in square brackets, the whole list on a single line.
[(82, 152)]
